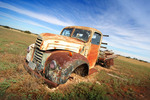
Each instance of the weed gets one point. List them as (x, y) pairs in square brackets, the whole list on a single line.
[(7, 65), (23, 97), (3, 87), (10, 96), (82, 91), (56, 96), (20, 85), (30, 96), (103, 77), (13, 80), (90, 91)]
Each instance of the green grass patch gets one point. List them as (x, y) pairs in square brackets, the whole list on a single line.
[(136, 74), (82, 91), (4, 65), (3, 87), (115, 85), (131, 68), (14, 42), (19, 85)]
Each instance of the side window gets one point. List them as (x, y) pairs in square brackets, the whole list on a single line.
[(67, 32), (96, 38)]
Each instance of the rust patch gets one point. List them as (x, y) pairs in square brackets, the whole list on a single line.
[(83, 27), (110, 62), (47, 34), (66, 64), (62, 57), (48, 82), (56, 41), (92, 70), (93, 54)]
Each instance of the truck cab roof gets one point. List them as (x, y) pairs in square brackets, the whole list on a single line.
[(85, 28)]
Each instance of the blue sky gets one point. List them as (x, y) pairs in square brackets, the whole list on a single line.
[(127, 22)]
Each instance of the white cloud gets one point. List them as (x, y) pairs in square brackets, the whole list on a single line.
[(127, 24), (138, 10), (128, 28), (27, 21), (46, 18)]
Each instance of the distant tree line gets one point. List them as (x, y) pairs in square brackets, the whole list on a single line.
[(26, 31), (6, 27), (136, 59)]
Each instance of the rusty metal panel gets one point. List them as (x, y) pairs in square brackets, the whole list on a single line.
[(32, 72), (68, 52), (85, 28), (63, 57), (51, 41), (93, 54), (66, 64)]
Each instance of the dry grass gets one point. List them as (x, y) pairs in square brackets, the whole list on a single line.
[(134, 61), (16, 83)]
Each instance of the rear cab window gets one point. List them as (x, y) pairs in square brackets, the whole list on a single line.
[(96, 38)]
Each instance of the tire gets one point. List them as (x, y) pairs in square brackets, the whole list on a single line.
[(81, 70)]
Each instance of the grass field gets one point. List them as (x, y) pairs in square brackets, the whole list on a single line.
[(127, 79)]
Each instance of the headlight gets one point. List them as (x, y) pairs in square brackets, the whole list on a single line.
[(53, 65), (28, 50)]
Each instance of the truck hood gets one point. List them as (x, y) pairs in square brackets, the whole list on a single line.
[(53, 41)]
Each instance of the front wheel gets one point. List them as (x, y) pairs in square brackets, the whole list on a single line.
[(81, 70)]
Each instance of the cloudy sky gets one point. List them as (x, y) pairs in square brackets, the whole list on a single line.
[(127, 22)]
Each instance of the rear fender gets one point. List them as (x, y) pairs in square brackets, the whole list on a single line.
[(67, 62)]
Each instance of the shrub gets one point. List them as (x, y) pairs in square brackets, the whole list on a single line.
[(6, 26), (128, 57), (27, 32)]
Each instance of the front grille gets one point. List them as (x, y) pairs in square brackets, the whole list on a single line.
[(38, 56), (38, 42)]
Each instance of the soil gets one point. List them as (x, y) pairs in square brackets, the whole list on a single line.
[(26, 83)]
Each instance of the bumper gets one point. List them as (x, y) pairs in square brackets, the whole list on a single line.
[(48, 82)]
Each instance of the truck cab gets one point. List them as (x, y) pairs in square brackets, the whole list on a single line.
[(55, 57)]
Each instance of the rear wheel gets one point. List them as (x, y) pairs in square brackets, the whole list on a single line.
[(108, 63)]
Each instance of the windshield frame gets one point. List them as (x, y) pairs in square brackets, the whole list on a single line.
[(70, 32), (73, 30), (79, 38)]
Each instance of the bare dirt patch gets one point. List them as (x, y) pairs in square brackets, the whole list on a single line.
[(2, 79), (22, 83)]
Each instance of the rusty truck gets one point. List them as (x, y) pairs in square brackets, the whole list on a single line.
[(76, 50)]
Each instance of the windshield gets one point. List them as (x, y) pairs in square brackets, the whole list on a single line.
[(67, 32), (81, 34)]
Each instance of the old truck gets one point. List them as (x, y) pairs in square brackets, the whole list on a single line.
[(106, 58), (54, 57)]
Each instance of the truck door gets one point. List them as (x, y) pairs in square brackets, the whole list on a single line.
[(94, 48)]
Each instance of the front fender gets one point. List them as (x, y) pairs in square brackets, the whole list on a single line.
[(67, 62)]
